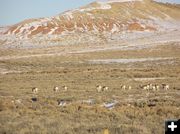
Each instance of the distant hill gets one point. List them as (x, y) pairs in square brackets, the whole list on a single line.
[(96, 21)]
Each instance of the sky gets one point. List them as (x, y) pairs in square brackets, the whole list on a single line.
[(14, 11)]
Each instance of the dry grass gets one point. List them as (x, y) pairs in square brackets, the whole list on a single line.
[(133, 114)]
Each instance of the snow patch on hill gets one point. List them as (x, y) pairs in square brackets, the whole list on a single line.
[(102, 6), (112, 1)]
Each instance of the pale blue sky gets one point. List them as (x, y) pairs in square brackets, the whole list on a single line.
[(14, 11)]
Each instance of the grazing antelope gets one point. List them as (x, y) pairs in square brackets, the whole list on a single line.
[(56, 89), (123, 87), (129, 87), (145, 87), (65, 88), (99, 88), (157, 87), (35, 90), (150, 86), (165, 86), (154, 88), (105, 88)]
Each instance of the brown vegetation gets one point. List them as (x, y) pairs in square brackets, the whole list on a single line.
[(136, 112)]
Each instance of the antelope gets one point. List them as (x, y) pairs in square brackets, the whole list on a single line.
[(165, 86), (154, 88), (99, 88), (148, 87), (123, 87), (65, 88), (105, 88), (145, 87), (157, 87), (35, 90), (129, 87), (56, 89)]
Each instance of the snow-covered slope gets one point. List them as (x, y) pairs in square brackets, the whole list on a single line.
[(95, 22)]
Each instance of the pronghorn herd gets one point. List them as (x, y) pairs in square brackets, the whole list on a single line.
[(148, 87), (100, 88), (124, 87), (55, 89), (155, 87)]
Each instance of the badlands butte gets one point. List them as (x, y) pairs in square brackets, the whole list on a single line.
[(132, 47)]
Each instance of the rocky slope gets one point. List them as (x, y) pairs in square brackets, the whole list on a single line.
[(98, 22)]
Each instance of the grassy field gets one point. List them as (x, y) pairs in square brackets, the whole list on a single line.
[(137, 111)]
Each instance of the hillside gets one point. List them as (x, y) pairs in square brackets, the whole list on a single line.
[(96, 22)]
